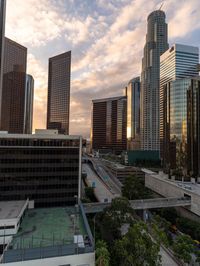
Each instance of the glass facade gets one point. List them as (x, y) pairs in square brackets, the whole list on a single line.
[(156, 44), (180, 61), (109, 124), (43, 169), (28, 108), (2, 33), (58, 105), (14, 83), (133, 114), (182, 126)]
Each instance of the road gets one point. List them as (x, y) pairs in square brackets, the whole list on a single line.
[(101, 191), (101, 170)]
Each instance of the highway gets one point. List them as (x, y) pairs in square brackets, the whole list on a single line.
[(102, 191), (102, 172)]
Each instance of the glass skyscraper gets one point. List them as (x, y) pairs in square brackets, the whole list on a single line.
[(58, 106), (156, 44), (109, 124), (14, 83), (28, 108), (2, 32), (180, 61), (182, 126), (133, 114)]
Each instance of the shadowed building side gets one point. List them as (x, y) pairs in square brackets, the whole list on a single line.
[(58, 105), (2, 33), (14, 83)]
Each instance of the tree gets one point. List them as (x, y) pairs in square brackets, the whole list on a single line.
[(113, 217), (134, 188), (102, 254), (89, 193), (183, 247), (136, 248)]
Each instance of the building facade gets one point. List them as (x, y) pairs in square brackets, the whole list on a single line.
[(180, 61), (181, 143), (109, 124), (156, 44), (58, 106), (13, 92), (133, 114), (44, 167), (2, 33), (28, 108)]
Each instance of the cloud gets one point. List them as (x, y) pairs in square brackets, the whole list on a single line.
[(106, 38)]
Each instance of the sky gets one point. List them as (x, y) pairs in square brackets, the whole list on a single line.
[(106, 38)]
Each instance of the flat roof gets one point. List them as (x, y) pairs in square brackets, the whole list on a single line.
[(108, 99), (49, 227), (4, 135), (11, 209), (188, 186)]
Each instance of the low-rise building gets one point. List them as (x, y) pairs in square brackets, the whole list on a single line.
[(53, 237)]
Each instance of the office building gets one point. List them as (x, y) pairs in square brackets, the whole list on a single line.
[(180, 61), (44, 167), (45, 236), (58, 106), (133, 114), (156, 44), (2, 33), (181, 114), (28, 108), (13, 93), (109, 124)]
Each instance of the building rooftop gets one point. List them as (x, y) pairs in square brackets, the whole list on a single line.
[(39, 135), (11, 209), (108, 99), (187, 186), (48, 227)]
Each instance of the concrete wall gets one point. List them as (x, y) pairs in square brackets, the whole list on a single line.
[(167, 188), (74, 260)]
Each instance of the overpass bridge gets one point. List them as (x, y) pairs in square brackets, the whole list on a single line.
[(143, 204)]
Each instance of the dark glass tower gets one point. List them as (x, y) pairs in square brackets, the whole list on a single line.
[(58, 106), (133, 114), (2, 32), (13, 92), (182, 126), (109, 124), (28, 108), (156, 44)]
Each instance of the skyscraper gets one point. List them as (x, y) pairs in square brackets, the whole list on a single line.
[(180, 61), (28, 108), (182, 126), (133, 114), (109, 124), (58, 105), (156, 44), (13, 92), (2, 32)]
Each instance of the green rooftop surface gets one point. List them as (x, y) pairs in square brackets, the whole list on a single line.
[(48, 227)]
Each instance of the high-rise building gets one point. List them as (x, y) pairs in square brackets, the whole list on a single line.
[(2, 32), (156, 44), (44, 167), (58, 106), (108, 130), (133, 114), (181, 114), (180, 61), (13, 92), (28, 108)]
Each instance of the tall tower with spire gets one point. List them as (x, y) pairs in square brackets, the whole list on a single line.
[(156, 44)]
